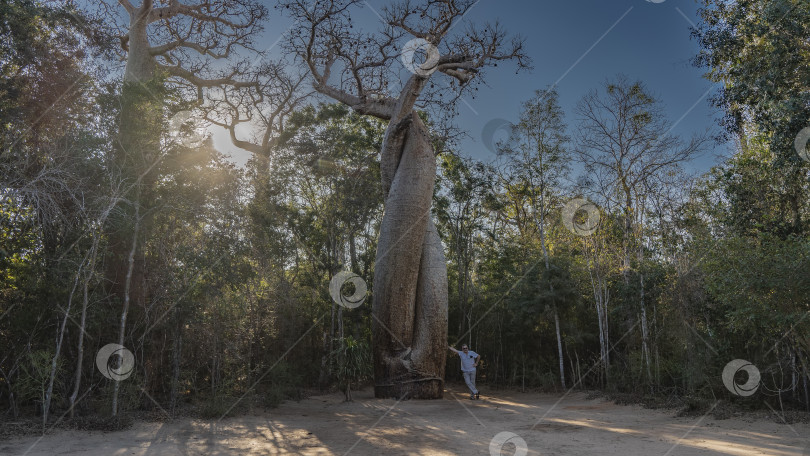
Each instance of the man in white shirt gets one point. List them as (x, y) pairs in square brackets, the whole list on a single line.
[(469, 361)]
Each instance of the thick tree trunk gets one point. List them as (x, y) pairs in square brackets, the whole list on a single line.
[(140, 63), (410, 273), (136, 154)]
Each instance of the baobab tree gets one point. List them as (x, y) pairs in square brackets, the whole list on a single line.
[(167, 46), (362, 70), (183, 39), (190, 54)]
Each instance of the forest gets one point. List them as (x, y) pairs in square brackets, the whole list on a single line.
[(585, 254)]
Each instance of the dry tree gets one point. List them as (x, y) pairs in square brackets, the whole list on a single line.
[(444, 60)]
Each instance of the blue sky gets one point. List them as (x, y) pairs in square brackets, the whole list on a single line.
[(577, 44)]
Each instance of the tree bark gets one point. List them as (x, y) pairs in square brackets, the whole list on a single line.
[(559, 346), (409, 307), (91, 270), (136, 156), (542, 224), (77, 380), (601, 296), (127, 290), (46, 405), (177, 351), (140, 63), (645, 332)]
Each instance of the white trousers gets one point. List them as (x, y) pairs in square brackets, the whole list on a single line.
[(469, 379)]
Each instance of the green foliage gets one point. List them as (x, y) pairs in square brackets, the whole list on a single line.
[(760, 51), (285, 382), (757, 306), (353, 366), (33, 381)]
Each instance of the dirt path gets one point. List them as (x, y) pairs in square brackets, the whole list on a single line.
[(549, 425)]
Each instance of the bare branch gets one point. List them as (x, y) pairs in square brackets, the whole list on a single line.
[(265, 108), (207, 50), (361, 69), (230, 80), (127, 6)]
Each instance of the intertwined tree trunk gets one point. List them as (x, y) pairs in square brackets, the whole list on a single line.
[(410, 275), (360, 70)]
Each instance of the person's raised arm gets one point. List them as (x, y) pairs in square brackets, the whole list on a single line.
[(453, 349)]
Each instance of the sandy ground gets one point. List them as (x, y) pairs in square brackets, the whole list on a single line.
[(550, 426)]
